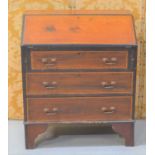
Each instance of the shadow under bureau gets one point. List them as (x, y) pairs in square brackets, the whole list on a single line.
[(78, 67)]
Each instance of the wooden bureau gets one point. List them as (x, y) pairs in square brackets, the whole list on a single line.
[(78, 67)]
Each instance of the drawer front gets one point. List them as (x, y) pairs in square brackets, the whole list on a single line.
[(80, 109), (68, 83), (44, 60)]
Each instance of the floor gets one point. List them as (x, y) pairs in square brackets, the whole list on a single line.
[(78, 144)]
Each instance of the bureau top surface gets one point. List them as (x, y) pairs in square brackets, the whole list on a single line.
[(78, 28)]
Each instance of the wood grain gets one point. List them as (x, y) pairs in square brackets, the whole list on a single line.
[(55, 95), (74, 29), (44, 60), (80, 109), (79, 83)]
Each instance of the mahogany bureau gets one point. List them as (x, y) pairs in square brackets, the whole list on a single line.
[(78, 67)]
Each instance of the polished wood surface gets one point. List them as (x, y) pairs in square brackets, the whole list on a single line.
[(80, 109), (79, 83), (79, 29), (78, 68), (44, 60)]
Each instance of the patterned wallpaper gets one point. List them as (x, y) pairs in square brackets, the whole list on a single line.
[(18, 7)]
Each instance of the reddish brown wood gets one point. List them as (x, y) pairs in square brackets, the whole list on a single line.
[(43, 60), (74, 29), (76, 109), (31, 132), (54, 79), (79, 83), (126, 130)]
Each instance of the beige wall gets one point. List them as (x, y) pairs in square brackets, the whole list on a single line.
[(18, 7)]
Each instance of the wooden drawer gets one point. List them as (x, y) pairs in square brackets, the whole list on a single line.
[(44, 60), (80, 109), (79, 83)]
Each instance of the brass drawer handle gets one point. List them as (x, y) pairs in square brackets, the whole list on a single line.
[(110, 61), (51, 85), (110, 110), (44, 60), (52, 111), (48, 61), (108, 85)]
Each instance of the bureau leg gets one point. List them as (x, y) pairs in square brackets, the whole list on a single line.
[(126, 130), (31, 132)]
